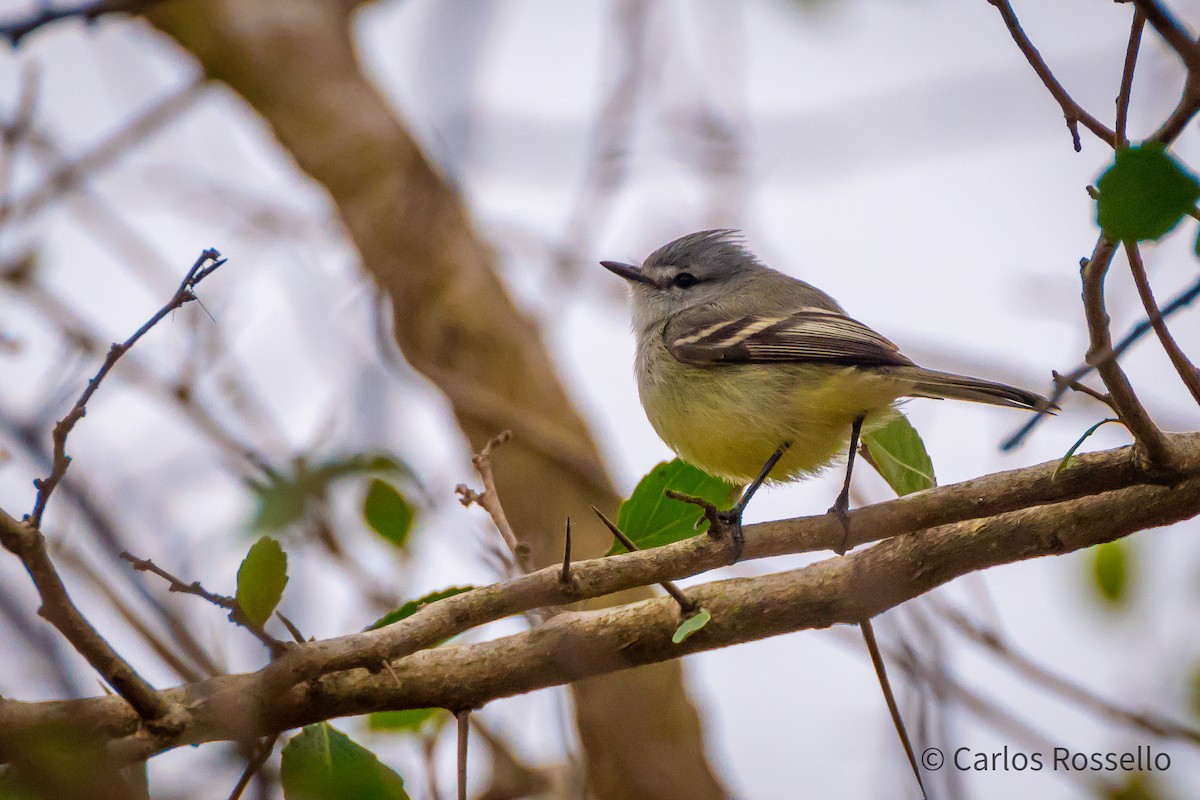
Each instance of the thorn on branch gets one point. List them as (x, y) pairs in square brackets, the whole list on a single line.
[(686, 606), (565, 576)]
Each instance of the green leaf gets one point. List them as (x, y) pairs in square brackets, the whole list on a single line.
[(652, 519), (1135, 786), (1144, 194), (322, 763), (1066, 459), (411, 720), (1195, 690), (900, 457), (413, 606), (283, 499), (387, 512), (260, 580), (690, 625), (1110, 571)]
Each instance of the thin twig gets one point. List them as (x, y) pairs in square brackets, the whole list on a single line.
[(253, 765), (489, 501), (1172, 31), (868, 632), (17, 29), (464, 734), (204, 266), (1131, 54), (1072, 111), (229, 604), (1146, 434), (1180, 301), (685, 605), (1186, 369), (1082, 388)]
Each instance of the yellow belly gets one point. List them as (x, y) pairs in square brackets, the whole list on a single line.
[(728, 420)]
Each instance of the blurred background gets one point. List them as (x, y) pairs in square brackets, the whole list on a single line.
[(900, 154)]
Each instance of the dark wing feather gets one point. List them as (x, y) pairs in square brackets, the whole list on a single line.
[(807, 334)]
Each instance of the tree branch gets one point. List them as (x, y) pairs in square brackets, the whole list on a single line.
[(1186, 369), (1072, 111), (1149, 438), (1101, 497)]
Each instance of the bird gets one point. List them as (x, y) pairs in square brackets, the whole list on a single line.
[(752, 375)]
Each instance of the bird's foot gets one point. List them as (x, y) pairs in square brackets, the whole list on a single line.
[(841, 509), (721, 524)]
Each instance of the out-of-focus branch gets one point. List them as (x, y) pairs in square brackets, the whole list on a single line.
[(1123, 95), (1172, 31), (1186, 369), (1072, 111), (1064, 382), (18, 28)]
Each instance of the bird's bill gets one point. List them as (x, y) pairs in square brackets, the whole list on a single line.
[(627, 271)]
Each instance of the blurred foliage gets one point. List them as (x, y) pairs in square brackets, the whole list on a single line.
[(900, 457), (322, 763), (284, 497), (1137, 786), (410, 720), (413, 606), (652, 519), (1110, 568), (1144, 194), (260, 580)]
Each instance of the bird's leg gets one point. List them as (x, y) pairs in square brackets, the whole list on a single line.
[(841, 506), (733, 517)]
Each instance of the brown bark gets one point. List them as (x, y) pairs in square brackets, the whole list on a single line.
[(293, 61)]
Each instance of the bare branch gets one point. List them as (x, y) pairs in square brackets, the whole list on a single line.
[(1068, 381), (205, 265), (1173, 32), (489, 501), (1123, 95), (236, 615), (576, 645), (18, 28), (1186, 369), (1149, 438), (1072, 111)]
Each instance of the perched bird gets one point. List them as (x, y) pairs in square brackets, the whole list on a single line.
[(752, 375)]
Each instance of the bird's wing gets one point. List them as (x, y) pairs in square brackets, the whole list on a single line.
[(802, 335)]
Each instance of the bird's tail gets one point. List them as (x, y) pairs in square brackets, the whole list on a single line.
[(939, 385)]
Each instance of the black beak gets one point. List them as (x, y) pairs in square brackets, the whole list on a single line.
[(628, 272)]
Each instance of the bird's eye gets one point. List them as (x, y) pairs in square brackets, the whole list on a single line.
[(685, 280)]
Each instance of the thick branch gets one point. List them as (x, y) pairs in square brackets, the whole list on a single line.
[(576, 645), (1003, 518)]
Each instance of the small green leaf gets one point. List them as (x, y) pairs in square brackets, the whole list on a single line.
[(652, 519), (280, 503), (413, 606), (411, 720), (1144, 194), (1110, 571), (260, 580), (1066, 459), (387, 512), (322, 763), (900, 457), (690, 625)]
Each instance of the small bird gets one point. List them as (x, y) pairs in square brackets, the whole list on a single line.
[(753, 375)]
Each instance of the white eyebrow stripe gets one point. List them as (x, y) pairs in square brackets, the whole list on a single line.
[(750, 329), (711, 329)]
